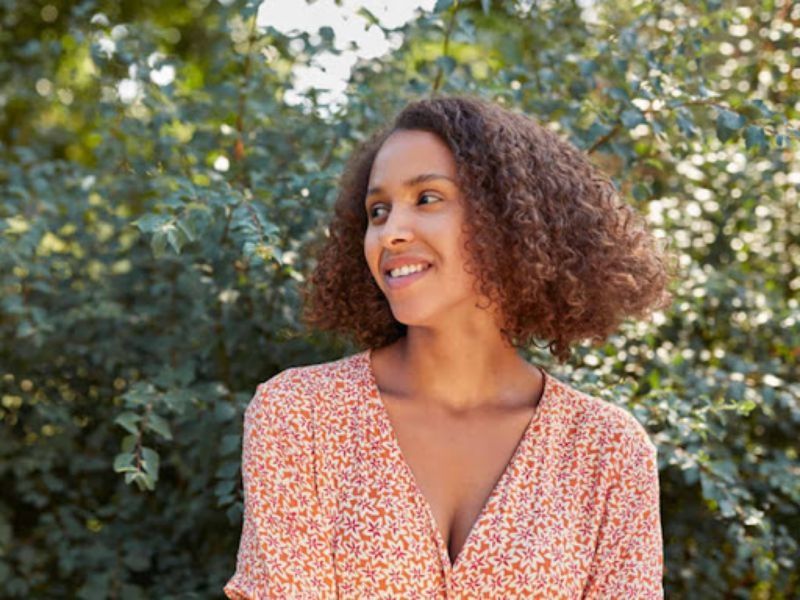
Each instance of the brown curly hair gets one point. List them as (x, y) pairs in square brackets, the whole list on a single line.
[(550, 242)]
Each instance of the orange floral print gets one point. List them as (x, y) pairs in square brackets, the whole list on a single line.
[(332, 510)]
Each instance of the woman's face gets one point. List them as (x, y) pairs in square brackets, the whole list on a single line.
[(415, 211)]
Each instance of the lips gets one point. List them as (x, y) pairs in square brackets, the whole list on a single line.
[(388, 269), (395, 262), (403, 281)]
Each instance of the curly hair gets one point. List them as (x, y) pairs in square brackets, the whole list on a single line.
[(549, 240)]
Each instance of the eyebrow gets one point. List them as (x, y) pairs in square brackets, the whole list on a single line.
[(416, 180)]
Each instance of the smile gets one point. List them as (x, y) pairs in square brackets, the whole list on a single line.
[(402, 281)]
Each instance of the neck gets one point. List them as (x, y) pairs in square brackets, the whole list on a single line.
[(463, 373)]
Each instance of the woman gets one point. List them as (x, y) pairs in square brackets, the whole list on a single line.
[(438, 463)]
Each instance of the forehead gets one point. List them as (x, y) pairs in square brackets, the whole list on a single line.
[(409, 152)]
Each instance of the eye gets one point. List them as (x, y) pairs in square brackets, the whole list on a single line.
[(378, 205), (425, 195), (372, 210)]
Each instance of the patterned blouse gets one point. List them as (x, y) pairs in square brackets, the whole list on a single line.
[(332, 509)]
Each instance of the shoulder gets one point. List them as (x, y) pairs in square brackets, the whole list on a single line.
[(301, 388), (613, 430)]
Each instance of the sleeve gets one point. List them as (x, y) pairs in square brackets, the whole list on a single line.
[(629, 556), (285, 545)]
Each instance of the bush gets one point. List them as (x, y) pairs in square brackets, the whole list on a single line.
[(155, 235)]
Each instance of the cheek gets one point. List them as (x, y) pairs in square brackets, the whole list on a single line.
[(461, 261), (371, 252)]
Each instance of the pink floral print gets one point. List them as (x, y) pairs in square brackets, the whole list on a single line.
[(332, 510)]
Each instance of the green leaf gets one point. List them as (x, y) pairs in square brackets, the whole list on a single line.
[(129, 442), (158, 243), (617, 93), (151, 222), (230, 443), (186, 227), (686, 124), (158, 425), (128, 421), (368, 15), (224, 487), (150, 462), (234, 513), (632, 117), (641, 191), (763, 108), (731, 120), (442, 5), (176, 237), (627, 39), (754, 137), (745, 407), (728, 123), (124, 462), (446, 63), (228, 470)]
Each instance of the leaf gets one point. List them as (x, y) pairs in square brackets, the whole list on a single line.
[(442, 5), (446, 63), (176, 238), (158, 425), (234, 513), (730, 120), (158, 243), (641, 191), (151, 222), (588, 67), (618, 93), (187, 228), (745, 407), (224, 411), (230, 443), (728, 123), (627, 39), (686, 125), (228, 470), (368, 15), (144, 480), (224, 487), (128, 421), (150, 462), (124, 462), (632, 117), (129, 442), (763, 108)]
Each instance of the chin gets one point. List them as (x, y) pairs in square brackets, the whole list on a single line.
[(413, 317)]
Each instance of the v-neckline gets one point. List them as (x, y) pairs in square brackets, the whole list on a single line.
[(500, 484)]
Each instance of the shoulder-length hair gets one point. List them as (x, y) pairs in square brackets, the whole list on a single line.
[(549, 239)]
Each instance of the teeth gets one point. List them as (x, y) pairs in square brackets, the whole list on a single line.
[(407, 270)]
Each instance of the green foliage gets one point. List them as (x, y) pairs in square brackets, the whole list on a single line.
[(147, 290)]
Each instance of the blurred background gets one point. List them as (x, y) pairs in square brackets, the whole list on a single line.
[(165, 168)]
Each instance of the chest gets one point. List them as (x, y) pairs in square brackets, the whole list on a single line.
[(456, 462)]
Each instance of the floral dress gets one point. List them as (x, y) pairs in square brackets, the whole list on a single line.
[(332, 509)]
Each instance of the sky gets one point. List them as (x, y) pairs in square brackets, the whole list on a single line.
[(329, 71)]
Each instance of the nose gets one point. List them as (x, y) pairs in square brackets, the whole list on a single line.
[(397, 228)]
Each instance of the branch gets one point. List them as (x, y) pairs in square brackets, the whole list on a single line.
[(440, 72)]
